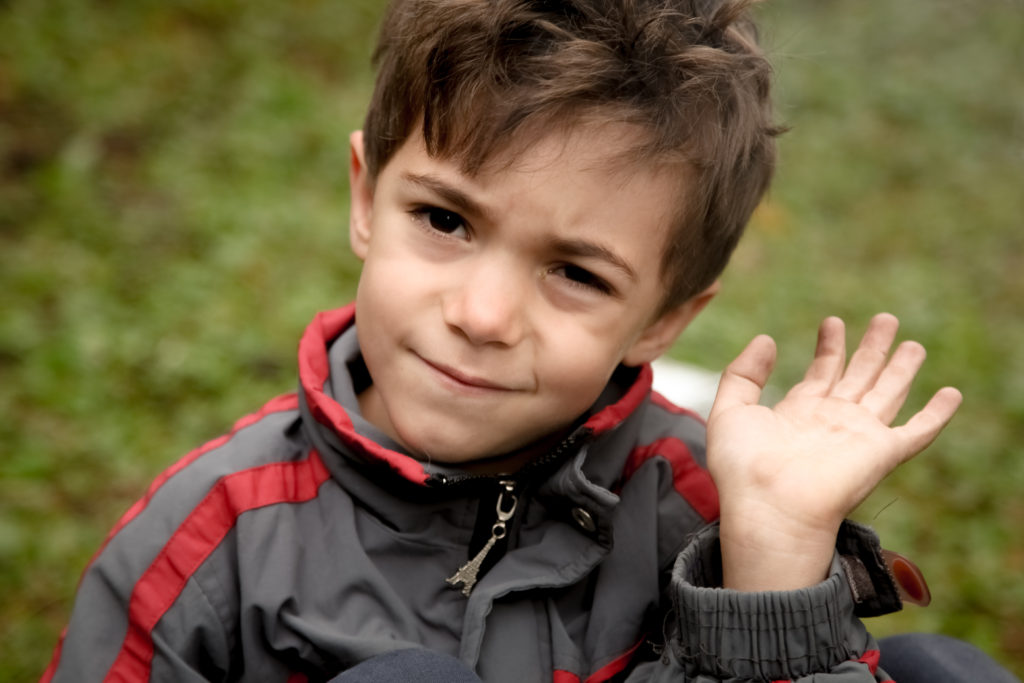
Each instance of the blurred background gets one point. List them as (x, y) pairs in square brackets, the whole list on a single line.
[(173, 211)]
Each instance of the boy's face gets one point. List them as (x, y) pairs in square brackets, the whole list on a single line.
[(492, 309)]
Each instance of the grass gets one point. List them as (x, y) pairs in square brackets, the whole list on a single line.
[(173, 211)]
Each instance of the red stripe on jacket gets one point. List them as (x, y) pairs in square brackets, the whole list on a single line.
[(662, 402), (603, 674), (315, 370), (870, 657), (690, 480), (611, 416), (276, 405), (197, 537)]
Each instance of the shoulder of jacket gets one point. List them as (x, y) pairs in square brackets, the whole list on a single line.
[(250, 443), (674, 437)]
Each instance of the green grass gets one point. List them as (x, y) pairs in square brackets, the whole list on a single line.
[(173, 210)]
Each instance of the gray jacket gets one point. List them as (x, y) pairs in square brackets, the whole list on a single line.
[(305, 541)]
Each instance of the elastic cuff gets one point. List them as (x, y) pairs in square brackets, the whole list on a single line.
[(766, 635)]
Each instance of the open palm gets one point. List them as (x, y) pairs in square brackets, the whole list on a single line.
[(800, 467)]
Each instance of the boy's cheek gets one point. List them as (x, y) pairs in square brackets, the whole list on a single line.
[(578, 374)]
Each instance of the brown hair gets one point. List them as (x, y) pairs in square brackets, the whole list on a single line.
[(689, 73)]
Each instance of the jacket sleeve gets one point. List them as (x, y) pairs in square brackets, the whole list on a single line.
[(810, 635), (110, 637), (155, 603), (139, 614)]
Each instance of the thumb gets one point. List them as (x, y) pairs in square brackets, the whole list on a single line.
[(744, 378)]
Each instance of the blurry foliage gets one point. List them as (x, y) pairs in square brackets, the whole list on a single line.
[(173, 210)]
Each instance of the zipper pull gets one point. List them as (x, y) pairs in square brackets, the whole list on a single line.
[(467, 573)]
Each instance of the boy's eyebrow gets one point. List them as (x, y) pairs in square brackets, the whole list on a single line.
[(450, 194)]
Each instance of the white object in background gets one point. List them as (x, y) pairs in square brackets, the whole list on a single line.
[(688, 386)]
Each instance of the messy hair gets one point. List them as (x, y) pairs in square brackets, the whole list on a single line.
[(688, 74)]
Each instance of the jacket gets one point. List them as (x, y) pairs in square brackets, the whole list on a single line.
[(305, 541)]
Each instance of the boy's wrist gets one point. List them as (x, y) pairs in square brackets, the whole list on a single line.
[(763, 550)]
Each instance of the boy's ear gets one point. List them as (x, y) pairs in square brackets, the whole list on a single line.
[(662, 333), (360, 197)]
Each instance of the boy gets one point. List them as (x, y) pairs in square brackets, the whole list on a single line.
[(543, 197)]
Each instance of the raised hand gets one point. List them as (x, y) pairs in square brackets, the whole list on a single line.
[(787, 476)]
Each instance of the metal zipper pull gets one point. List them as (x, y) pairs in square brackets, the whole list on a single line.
[(467, 573)]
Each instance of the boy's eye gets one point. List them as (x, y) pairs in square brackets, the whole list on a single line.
[(443, 220), (581, 277)]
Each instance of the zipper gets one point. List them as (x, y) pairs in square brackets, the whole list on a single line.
[(505, 508), (468, 573)]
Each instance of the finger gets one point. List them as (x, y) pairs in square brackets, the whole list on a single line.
[(868, 360), (890, 391), (921, 429), (744, 378), (829, 359)]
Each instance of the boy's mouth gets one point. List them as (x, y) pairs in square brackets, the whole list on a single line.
[(463, 379)]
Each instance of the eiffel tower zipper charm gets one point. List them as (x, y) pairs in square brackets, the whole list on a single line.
[(467, 573)]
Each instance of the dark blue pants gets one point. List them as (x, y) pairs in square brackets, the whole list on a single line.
[(921, 657), (414, 666), (909, 658)]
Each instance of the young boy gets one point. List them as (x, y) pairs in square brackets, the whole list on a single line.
[(544, 196)]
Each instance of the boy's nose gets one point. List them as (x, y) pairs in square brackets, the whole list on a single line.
[(486, 306)]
